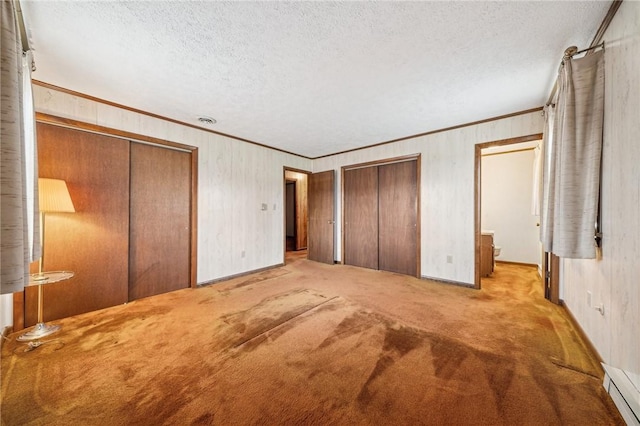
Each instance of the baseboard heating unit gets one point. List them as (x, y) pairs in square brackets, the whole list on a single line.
[(623, 393)]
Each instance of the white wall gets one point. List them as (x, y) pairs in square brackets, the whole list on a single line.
[(614, 279), (507, 187), (6, 311), (446, 189)]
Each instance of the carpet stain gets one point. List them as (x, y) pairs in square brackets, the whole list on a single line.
[(353, 324), (402, 339), (297, 353), (399, 340), (447, 356), (540, 375), (499, 371), (205, 419)]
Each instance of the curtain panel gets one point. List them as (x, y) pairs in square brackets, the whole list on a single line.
[(573, 143), (548, 177), (18, 173)]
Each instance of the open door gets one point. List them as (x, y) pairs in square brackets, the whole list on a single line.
[(551, 274), (321, 217)]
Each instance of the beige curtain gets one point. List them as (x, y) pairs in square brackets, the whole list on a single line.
[(548, 177), (18, 171), (574, 170), (537, 181)]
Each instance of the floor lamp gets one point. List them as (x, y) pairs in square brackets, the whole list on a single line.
[(53, 197)]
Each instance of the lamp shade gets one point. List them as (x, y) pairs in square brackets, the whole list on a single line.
[(53, 196)]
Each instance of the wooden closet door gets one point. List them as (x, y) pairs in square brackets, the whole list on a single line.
[(397, 192), (93, 241), (361, 217), (160, 249), (321, 195)]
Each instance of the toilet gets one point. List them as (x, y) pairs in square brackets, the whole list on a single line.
[(496, 253)]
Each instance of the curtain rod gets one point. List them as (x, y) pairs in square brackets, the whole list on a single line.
[(21, 26), (570, 52), (573, 50)]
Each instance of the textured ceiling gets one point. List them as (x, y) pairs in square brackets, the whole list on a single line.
[(312, 78)]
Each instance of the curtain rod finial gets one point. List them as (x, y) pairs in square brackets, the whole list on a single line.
[(570, 51)]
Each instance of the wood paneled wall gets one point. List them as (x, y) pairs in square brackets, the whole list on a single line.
[(613, 278), (234, 179), (446, 189)]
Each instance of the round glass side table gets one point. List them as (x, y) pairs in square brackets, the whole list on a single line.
[(41, 329)]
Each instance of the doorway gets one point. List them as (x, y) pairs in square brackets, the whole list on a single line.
[(504, 213), (295, 213)]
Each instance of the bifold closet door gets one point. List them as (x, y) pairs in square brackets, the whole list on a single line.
[(159, 240), (361, 217), (93, 241), (398, 217)]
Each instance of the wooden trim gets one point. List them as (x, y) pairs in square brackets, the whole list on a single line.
[(606, 21), (446, 129), (159, 117), (341, 195), (588, 343), (508, 262), (286, 169), (418, 216), (94, 128), (597, 39), (194, 218), (410, 157), (508, 152), (182, 123), (554, 280), (477, 191), (477, 214), (292, 169), (18, 310), (134, 137), (241, 274)]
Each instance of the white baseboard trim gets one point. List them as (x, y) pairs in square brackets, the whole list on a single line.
[(623, 393)]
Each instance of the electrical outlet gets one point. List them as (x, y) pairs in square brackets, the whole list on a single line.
[(264, 206), (449, 258), (589, 298)]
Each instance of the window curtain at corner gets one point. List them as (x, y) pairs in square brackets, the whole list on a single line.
[(18, 172), (574, 160), (536, 194), (548, 177)]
